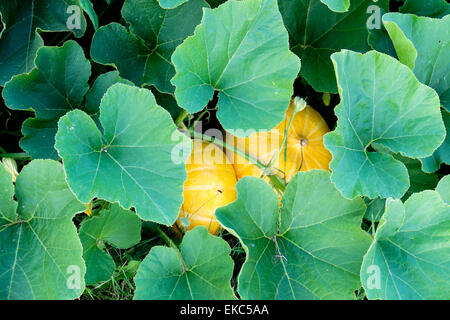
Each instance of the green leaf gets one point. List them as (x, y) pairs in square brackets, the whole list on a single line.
[(89, 9), (428, 8), (168, 102), (381, 102), (248, 63), (419, 180), (98, 90), (316, 32), (40, 252), (129, 55), (443, 188), (380, 41), (423, 44), (200, 270), (19, 39), (337, 5), (375, 209), (442, 154), (410, 255), (142, 55), (55, 86), (170, 4), (115, 226), (132, 161), (312, 249)]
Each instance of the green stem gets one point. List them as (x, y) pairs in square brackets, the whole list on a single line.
[(300, 105), (282, 144), (21, 155), (181, 117), (200, 116), (278, 182), (274, 179), (166, 239), (225, 145)]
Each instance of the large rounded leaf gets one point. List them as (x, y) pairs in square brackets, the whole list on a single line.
[(19, 39), (240, 50), (115, 226), (423, 44), (381, 102), (200, 270), (40, 252), (316, 32), (312, 249), (56, 86), (410, 256), (143, 54), (131, 162)]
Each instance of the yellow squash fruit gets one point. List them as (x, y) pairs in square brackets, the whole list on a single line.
[(210, 184), (304, 146)]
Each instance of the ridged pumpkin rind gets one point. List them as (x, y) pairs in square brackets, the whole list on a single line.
[(304, 149), (210, 184)]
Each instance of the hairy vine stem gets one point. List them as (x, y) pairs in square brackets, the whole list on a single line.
[(275, 179)]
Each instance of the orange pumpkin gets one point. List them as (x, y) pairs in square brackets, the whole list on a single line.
[(210, 184), (304, 149)]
